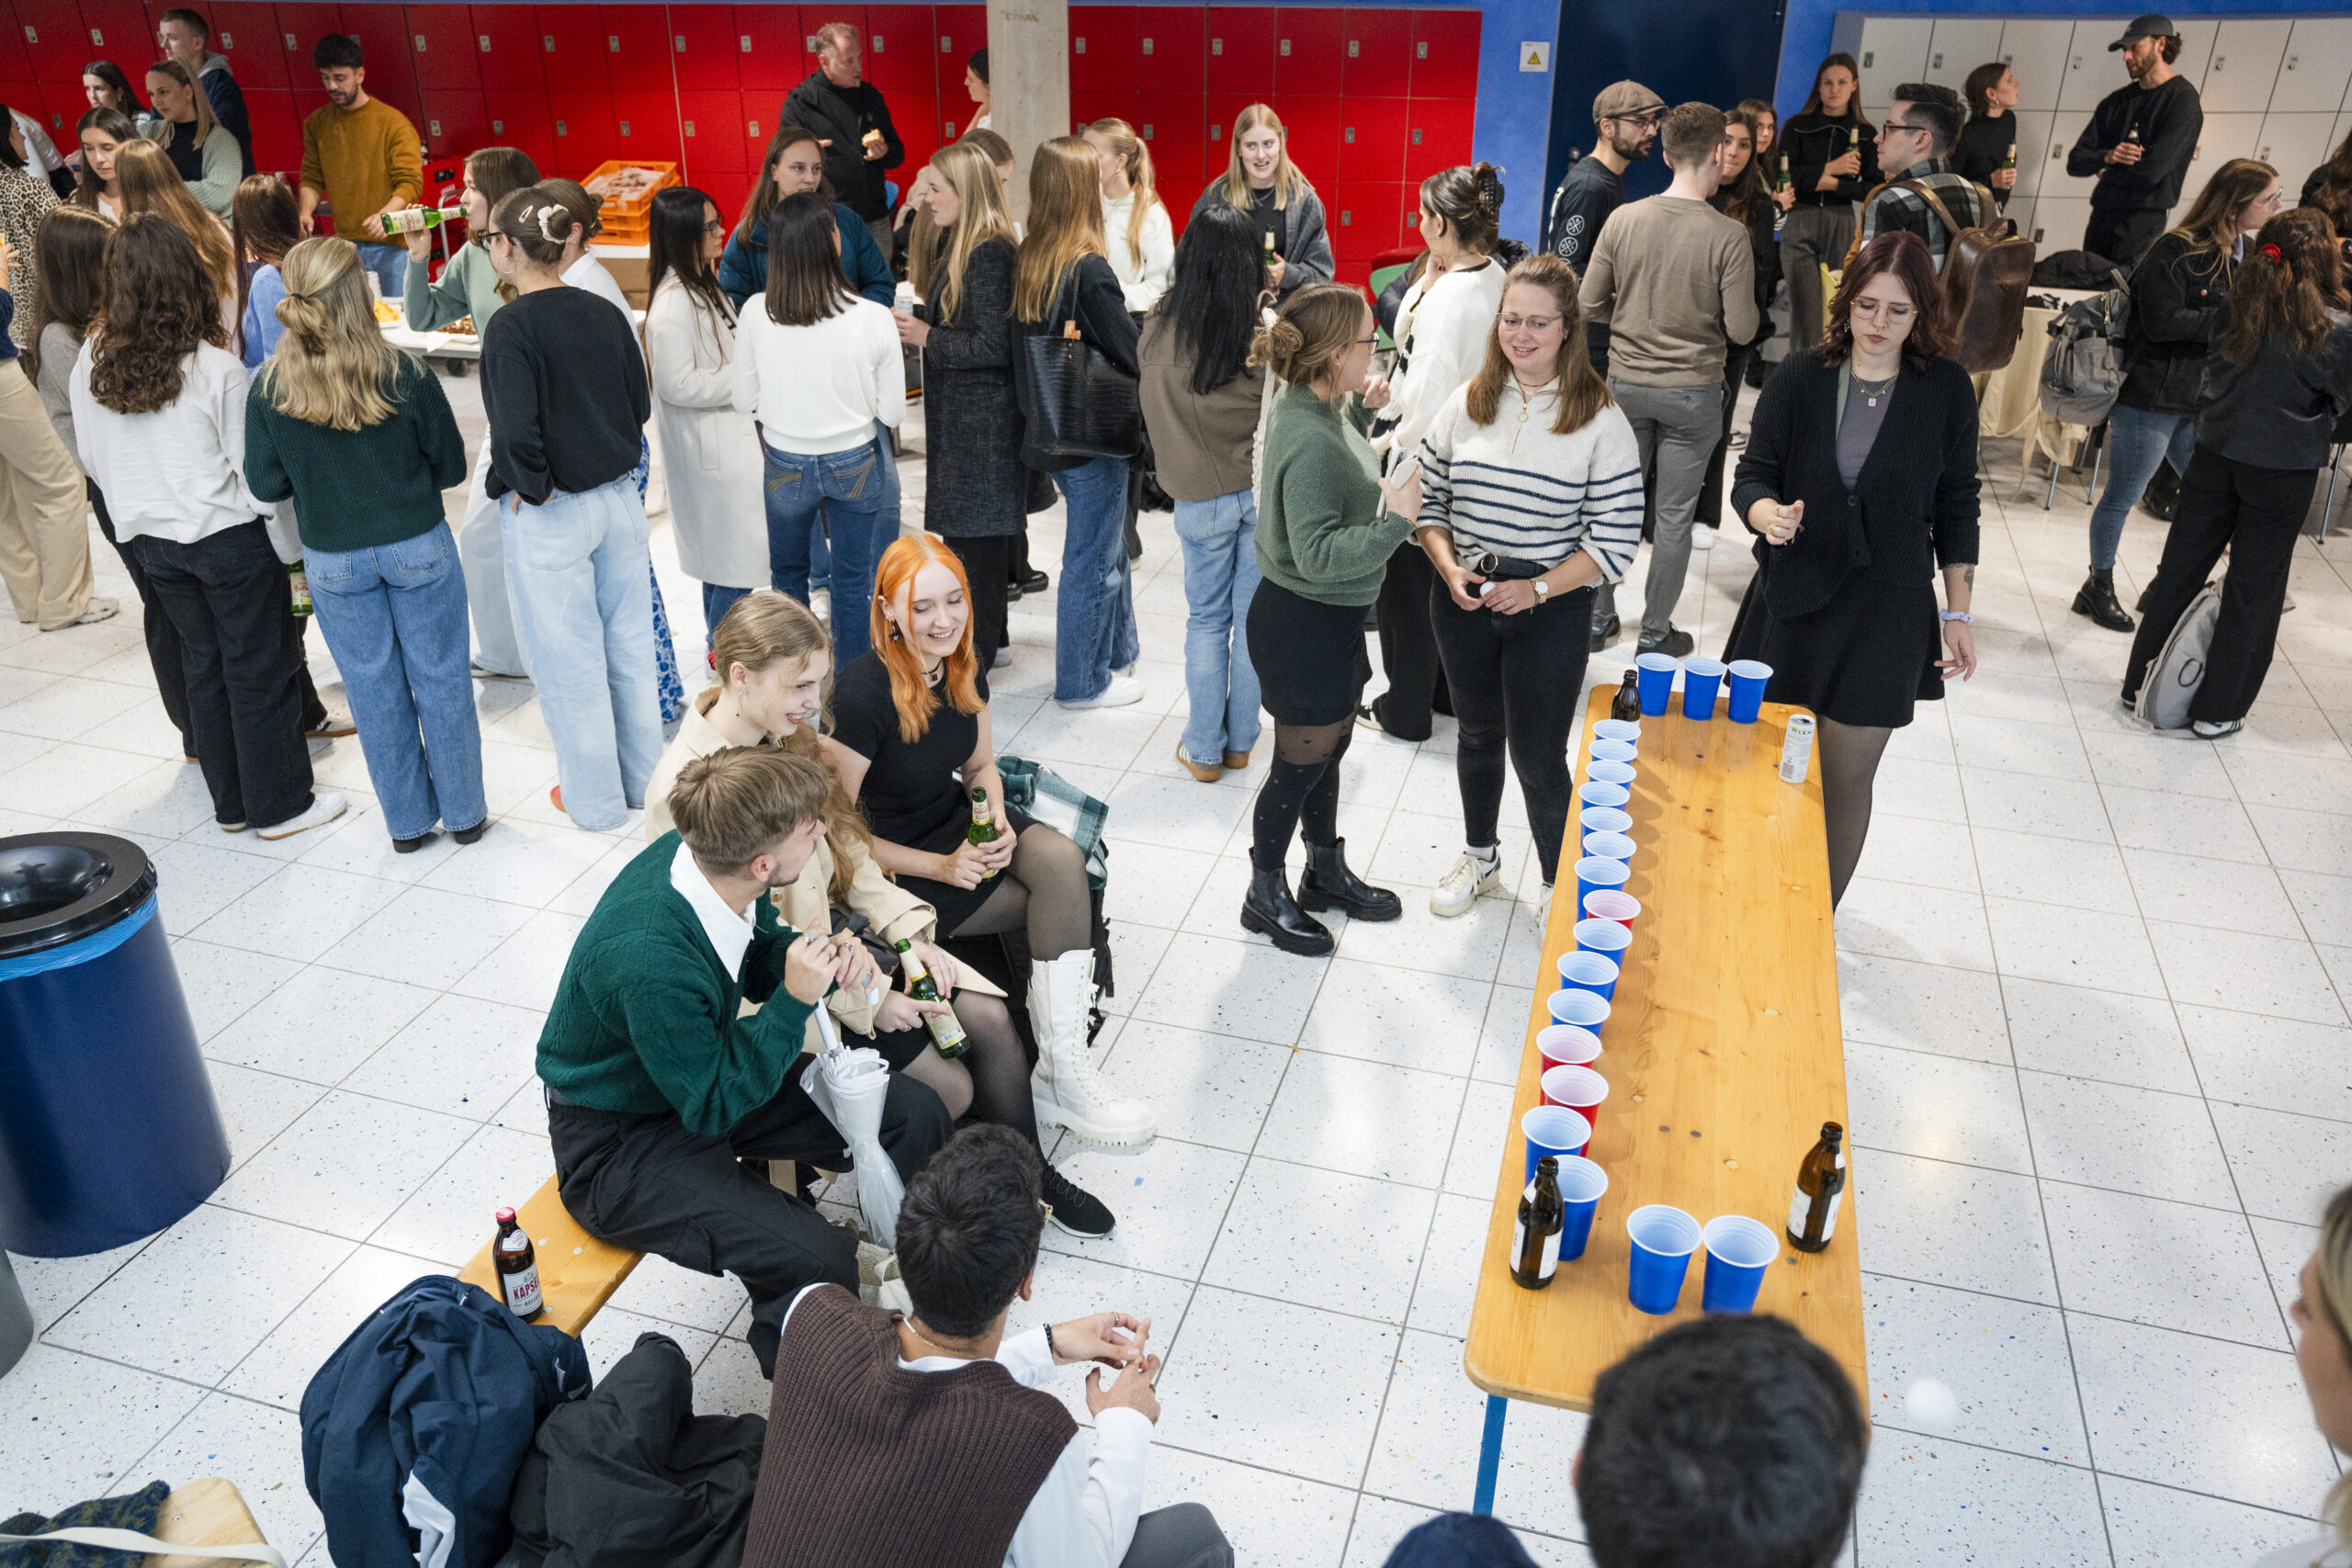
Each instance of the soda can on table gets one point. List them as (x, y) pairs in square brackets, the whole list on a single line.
[(1796, 751)]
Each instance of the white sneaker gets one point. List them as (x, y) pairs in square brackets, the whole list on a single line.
[(1003, 656), (326, 807), (1122, 691), (1472, 873), (821, 604), (103, 609), (1702, 537)]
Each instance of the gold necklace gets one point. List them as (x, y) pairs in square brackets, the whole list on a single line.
[(1874, 393)]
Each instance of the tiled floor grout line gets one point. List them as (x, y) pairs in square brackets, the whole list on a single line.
[(2080, 1186)]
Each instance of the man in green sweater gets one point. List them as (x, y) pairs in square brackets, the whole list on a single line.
[(659, 1083)]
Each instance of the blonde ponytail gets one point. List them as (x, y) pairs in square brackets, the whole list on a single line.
[(333, 365)]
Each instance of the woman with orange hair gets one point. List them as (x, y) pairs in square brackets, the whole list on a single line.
[(914, 746)]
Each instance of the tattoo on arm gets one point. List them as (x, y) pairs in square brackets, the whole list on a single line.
[(1968, 575)]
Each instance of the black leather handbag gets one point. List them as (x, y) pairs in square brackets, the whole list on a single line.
[(1075, 404)]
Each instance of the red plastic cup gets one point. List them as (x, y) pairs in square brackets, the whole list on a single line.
[(1613, 904), (1579, 1089)]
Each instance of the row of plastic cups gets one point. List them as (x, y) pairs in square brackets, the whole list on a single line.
[(1738, 1252), (1703, 681)]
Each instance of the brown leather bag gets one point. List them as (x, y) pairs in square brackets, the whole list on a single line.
[(1985, 277)]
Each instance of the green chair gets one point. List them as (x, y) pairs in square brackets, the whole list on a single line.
[(1382, 277)]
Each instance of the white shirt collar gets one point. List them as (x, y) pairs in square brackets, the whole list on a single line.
[(730, 934)]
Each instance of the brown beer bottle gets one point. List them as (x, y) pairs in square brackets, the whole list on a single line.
[(517, 1266), (1821, 1183), (1627, 704), (1535, 1244)]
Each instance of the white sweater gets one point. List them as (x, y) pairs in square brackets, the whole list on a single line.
[(819, 389), (588, 272), (1516, 488), (1143, 277), (178, 473), (1442, 332)]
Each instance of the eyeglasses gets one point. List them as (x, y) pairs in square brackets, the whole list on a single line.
[(1890, 127), (1373, 338), (1882, 311), (1530, 323), (714, 227)]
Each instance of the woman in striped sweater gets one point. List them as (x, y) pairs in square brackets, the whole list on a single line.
[(1530, 494)]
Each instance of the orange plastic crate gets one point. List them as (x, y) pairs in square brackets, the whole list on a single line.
[(627, 219)]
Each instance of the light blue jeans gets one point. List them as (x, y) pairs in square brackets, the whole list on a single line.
[(581, 585), (859, 503), (394, 618), (1220, 540), (2138, 442), (389, 263), (1094, 610)]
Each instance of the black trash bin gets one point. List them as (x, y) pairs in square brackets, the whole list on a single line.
[(108, 1127)]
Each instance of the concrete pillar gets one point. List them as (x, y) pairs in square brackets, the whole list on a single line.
[(1028, 81)]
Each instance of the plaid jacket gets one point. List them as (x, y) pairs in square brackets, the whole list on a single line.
[(1891, 209)]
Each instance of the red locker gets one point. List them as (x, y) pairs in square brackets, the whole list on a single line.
[(1372, 139), (16, 65), (246, 32), (709, 131), (703, 51), (115, 31), (278, 131), (382, 32), (1445, 54), (1172, 48), (1314, 128), (815, 17), (394, 83), (507, 40), (571, 53), (300, 24), (726, 191), (1087, 105), (1377, 59), (57, 48), (1439, 135), (1363, 218), (769, 55), (1175, 127), (454, 123), (637, 48), (441, 40), (645, 125), (1308, 52), (959, 30), (59, 106), (1177, 194), (584, 129), (1242, 52), (519, 118), (755, 124), (1102, 50), (899, 56)]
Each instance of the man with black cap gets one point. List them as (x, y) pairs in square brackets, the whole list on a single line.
[(1625, 120), (2138, 144)]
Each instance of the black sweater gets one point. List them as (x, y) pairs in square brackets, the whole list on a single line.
[(1814, 141), (1914, 505), (1103, 319), (2169, 120), (1984, 145), (842, 115), (2180, 300), (2281, 411), (563, 383)]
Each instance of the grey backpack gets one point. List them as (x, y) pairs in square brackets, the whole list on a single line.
[(2085, 368), (2171, 680)]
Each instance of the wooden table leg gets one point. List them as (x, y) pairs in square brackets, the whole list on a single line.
[(1490, 1454)]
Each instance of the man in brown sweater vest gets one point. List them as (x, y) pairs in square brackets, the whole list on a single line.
[(929, 1439)]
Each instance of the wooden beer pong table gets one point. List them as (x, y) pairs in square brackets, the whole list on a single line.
[(1722, 1054)]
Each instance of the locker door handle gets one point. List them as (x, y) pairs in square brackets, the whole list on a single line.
[(1078, 46), (546, 41), (1285, 49), (743, 41), (498, 128), (946, 45), (420, 42), (1354, 49), (877, 43), (1216, 45), (1869, 58), (483, 40), (289, 37), (1349, 135), (1420, 51), (1937, 63), (613, 42), (227, 42), (678, 42), (435, 126), (1147, 46)]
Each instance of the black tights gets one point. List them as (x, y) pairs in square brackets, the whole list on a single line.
[(1301, 791), (1042, 888), (990, 1080), (1850, 756)]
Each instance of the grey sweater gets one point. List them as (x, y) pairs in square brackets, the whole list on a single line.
[(59, 349)]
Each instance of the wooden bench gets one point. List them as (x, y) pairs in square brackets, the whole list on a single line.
[(578, 1274), (204, 1513)]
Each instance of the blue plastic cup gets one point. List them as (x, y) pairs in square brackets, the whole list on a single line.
[(1748, 678), (1702, 679), (1738, 1251), (1664, 1237), (1592, 971), (1581, 1185), (1605, 820), (1578, 1008), (1556, 1130), (1613, 750), (1607, 938), (1608, 846), (1655, 675), (1593, 875), (1605, 771), (1595, 793), (1623, 730)]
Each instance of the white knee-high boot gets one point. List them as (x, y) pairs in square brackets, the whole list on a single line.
[(1068, 1093)]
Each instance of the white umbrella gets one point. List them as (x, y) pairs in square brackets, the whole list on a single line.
[(849, 1086)]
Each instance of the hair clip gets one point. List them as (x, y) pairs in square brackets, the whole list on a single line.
[(2274, 252)]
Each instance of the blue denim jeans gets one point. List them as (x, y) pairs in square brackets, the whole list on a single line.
[(1220, 541), (389, 263), (849, 487), (581, 585), (1094, 609), (2138, 442), (394, 618), (715, 601)]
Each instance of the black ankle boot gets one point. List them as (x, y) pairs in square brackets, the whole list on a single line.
[(1272, 912), (1328, 884), (2097, 600)]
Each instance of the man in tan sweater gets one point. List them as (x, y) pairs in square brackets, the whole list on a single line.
[(1673, 280), (363, 155)]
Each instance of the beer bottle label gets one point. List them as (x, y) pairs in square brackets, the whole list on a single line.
[(522, 1290), (1551, 1263), (1800, 1207)]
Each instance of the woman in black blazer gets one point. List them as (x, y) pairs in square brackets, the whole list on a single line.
[(1858, 480)]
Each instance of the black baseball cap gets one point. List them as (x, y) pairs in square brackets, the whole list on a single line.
[(2155, 24)]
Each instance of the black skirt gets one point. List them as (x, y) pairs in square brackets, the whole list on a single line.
[(1862, 659), (1310, 656), (951, 904)]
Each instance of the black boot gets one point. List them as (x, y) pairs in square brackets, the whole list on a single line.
[(2097, 600), (1328, 884), (1272, 912)]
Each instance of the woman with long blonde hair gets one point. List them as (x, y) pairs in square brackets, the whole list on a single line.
[(1261, 180), (2322, 1318), (914, 745), (1134, 220), (358, 435), (150, 184), (200, 148), (963, 327), (1063, 279)]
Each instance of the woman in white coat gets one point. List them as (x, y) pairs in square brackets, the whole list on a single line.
[(1134, 220), (711, 453)]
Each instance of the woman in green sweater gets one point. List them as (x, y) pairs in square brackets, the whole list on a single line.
[(360, 436), (1326, 524)]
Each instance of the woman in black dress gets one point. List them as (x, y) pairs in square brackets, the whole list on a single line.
[(965, 329), (912, 741), (1986, 151), (1859, 478)]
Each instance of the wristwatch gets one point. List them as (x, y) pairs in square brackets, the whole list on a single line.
[(1542, 590)]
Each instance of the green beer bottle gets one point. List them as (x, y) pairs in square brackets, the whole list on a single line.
[(947, 1035), (983, 827)]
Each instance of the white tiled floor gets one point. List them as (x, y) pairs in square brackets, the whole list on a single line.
[(2094, 995)]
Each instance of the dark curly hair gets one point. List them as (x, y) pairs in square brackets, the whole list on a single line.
[(2291, 277), (1906, 257), (157, 304)]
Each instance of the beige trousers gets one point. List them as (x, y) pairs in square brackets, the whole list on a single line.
[(44, 525)]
